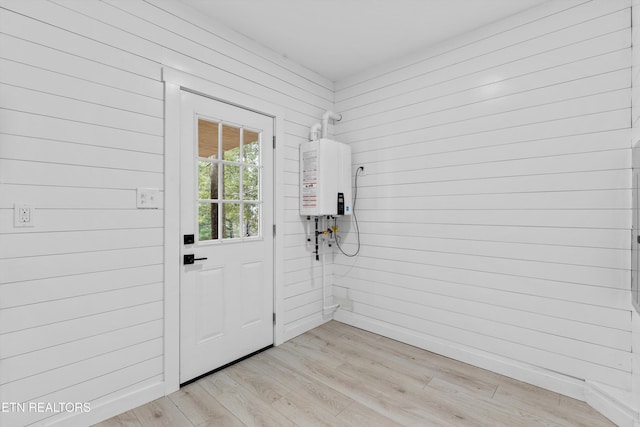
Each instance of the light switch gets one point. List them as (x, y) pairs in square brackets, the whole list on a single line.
[(148, 198)]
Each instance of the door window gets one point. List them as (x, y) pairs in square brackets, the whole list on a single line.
[(229, 181)]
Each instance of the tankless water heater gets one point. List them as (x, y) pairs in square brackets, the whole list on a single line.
[(325, 178)]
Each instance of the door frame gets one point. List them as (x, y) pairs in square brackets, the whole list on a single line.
[(174, 82)]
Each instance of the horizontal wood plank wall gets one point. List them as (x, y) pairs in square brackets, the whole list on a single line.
[(81, 127), (495, 206), (635, 140)]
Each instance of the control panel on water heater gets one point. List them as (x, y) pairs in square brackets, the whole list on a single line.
[(340, 204), (325, 178)]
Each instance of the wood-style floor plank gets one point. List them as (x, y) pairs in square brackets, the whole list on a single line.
[(358, 414), (201, 408), (247, 406), (253, 377), (337, 375), (576, 413), (126, 419), (161, 413), (304, 390)]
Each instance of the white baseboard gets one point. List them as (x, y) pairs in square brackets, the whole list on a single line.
[(619, 406), (106, 408), (559, 383), (146, 392)]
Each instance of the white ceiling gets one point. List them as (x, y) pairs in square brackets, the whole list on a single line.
[(337, 38)]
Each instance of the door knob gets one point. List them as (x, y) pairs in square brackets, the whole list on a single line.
[(191, 258)]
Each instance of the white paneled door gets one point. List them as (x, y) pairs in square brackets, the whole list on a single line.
[(226, 198)]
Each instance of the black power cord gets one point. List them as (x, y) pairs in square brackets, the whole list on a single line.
[(355, 199)]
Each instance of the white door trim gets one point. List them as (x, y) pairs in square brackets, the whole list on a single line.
[(174, 81)]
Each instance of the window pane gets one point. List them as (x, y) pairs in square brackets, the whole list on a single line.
[(207, 221), (230, 143), (231, 177), (251, 148), (251, 220), (251, 182), (207, 139), (231, 220), (207, 180)]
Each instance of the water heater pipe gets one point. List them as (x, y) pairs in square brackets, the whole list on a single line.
[(325, 308), (325, 121), (314, 134)]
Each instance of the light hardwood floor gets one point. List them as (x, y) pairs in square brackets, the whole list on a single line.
[(337, 375)]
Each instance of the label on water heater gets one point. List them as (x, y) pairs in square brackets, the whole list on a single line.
[(310, 179)]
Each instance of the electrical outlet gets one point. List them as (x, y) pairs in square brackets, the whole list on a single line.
[(362, 173), (23, 215)]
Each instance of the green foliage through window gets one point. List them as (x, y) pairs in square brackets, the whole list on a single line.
[(238, 207)]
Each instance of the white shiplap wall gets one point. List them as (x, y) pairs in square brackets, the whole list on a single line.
[(81, 127), (635, 105), (495, 208)]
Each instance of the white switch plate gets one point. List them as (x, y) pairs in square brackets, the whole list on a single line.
[(148, 198), (23, 215)]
